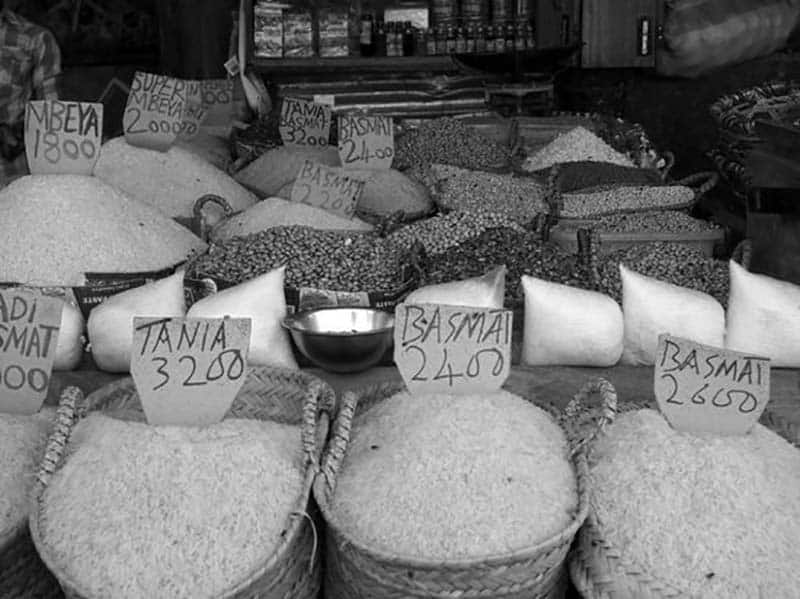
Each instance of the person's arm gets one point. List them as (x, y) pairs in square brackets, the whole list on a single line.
[(47, 69)]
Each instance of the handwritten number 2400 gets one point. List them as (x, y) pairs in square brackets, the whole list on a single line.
[(215, 371)]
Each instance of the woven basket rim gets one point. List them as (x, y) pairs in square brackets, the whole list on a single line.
[(296, 518), (526, 553)]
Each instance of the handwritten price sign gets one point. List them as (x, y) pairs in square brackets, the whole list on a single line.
[(452, 349), (63, 137), (189, 370), (366, 141), (327, 188), (304, 123), (700, 388), (153, 116)]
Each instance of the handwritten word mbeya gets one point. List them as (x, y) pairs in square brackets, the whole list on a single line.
[(154, 111), (69, 117), (159, 93)]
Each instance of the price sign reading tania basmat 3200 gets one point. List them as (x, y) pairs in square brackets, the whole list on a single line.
[(326, 188), (153, 116), (700, 388), (29, 324), (63, 137), (189, 370), (366, 141), (452, 349), (304, 123)]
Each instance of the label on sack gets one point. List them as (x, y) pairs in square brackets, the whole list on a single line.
[(452, 349), (700, 388), (305, 123), (366, 141), (188, 370), (327, 188), (153, 116), (63, 137), (29, 324)]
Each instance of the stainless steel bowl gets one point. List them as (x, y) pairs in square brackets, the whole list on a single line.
[(342, 339)]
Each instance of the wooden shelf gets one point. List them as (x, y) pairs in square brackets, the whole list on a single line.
[(374, 64)]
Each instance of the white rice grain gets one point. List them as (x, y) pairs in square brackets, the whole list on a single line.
[(576, 145)]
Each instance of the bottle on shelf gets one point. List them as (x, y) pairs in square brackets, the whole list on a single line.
[(520, 40), (530, 36), (441, 39), (509, 34), (480, 38), (451, 39), (470, 35), (407, 39), (430, 42), (461, 40), (420, 42), (380, 38), (499, 38), (366, 42)]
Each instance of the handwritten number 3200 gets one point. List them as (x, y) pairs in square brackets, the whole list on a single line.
[(215, 371)]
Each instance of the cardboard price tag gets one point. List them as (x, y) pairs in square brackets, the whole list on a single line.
[(194, 114), (63, 137), (28, 339), (216, 96), (304, 123), (452, 349), (366, 141), (189, 370), (700, 388), (153, 116), (327, 188)]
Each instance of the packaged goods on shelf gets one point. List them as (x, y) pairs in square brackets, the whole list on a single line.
[(298, 35), (333, 32), (268, 30)]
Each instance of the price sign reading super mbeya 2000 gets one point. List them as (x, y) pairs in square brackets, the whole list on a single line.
[(366, 141)]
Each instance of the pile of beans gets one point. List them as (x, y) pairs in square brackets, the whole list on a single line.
[(667, 221), (447, 140), (588, 203), (322, 259), (523, 253)]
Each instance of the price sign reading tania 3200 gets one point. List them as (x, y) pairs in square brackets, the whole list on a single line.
[(153, 116), (304, 123), (700, 388), (366, 141), (326, 188), (189, 370), (452, 349)]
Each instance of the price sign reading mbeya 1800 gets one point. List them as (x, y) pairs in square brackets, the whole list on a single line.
[(63, 137), (304, 123), (189, 370), (700, 388), (153, 116), (452, 349), (366, 141), (29, 324), (327, 188)]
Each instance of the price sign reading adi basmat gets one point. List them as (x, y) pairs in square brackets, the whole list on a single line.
[(153, 116), (452, 349), (188, 370), (29, 324), (63, 137), (704, 389), (327, 188), (304, 123), (366, 141)]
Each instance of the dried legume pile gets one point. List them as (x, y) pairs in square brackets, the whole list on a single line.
[(574, 176), (322, 259), (447, 140), (674, 263), (444, 477), (667, 221), (519, 198), (710, 515), (521, 252), (589, 203), (576, 145), (170, 512)]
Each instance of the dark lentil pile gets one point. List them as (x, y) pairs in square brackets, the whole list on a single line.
[(667, 221), (574, 176)]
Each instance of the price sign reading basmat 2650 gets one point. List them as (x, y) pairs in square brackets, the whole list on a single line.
[(452, 349), (366, 141), (189, 370)]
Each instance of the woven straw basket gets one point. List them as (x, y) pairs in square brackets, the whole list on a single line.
[(357, 571), (600, 571), (293, 569)]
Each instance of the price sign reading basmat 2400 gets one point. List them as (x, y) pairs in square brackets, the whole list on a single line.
[(366, 141), (189, 370), (452, 349)]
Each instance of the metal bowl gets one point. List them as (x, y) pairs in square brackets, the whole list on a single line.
[(342, 339)]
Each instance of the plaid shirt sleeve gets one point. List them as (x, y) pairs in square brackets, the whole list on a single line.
[(47, 68)]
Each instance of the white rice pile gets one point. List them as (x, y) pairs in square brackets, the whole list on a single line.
[(576, 145), (713, 516), (54, 228), (22, 443), (170, 512), (447, 477)]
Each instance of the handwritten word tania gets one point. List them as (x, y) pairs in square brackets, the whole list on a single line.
[(69, 117), (198, 336), (302, 114), (748, 369), (420, 326)]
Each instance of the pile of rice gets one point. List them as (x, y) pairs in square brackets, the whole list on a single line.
[(143, 511), (712, 516), (576, 145), (443, 477), (22, 443)]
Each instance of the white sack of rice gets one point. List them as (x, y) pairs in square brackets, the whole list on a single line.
[(170, 512), (22, 443), (54, 228), (712, 516), (171, 181), (441, 477), (277, 212), (273, 172), (576, 145)]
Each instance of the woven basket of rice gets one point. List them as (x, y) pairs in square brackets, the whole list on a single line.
[(437, 496), (679, 515), (22, 443), (223, 511)]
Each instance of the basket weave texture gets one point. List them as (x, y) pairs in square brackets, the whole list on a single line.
[(293, 569), (357, 571)]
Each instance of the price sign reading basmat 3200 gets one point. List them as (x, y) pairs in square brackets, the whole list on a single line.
[(452, 349), (189, 370), (366, 141), (704, 389)]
